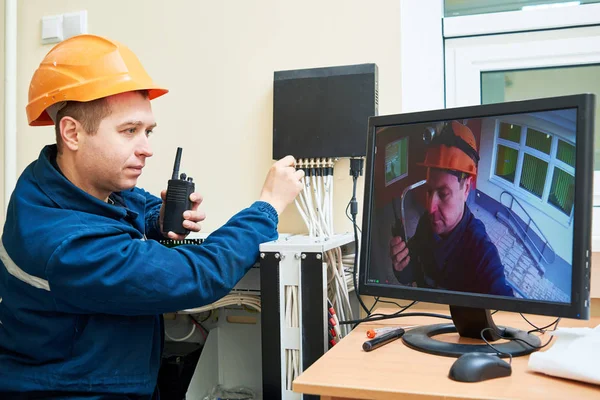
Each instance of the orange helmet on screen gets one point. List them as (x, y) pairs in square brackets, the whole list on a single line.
[(454, 149), (85, 68)]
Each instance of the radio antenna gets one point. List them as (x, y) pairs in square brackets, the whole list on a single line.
[(177, 162)]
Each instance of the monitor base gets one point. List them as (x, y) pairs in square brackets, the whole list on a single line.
[(469, 322)]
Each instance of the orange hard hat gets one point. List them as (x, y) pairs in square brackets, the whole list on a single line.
[(454, 149), (85, 68)]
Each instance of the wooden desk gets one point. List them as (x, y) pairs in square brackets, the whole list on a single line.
[(395, 371)]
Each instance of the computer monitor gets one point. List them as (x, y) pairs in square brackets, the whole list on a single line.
[(481, 208)]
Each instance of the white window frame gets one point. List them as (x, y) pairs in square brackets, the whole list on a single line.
[(404, 175), (514, 188), (421, 55), (422, 60), (521, 21)]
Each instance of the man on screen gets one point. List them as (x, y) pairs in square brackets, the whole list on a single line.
[(450, 248)]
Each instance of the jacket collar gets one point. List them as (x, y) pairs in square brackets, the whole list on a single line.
[(68, 196)]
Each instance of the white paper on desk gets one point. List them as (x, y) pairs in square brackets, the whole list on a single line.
[(574, 354)]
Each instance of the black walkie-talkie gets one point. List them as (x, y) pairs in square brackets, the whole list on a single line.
[(179, 190)]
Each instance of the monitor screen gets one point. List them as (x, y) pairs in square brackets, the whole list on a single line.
[(484, 206)]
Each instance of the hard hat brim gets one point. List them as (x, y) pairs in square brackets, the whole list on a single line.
[(44, 119)]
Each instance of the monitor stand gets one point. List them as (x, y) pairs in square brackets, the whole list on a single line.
[(469, 322)]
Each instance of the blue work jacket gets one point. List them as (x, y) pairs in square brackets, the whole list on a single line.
[(83, 283)]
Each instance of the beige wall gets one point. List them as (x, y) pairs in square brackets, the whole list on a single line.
[(218, 59)]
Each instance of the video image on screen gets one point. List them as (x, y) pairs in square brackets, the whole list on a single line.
[(483, 205)]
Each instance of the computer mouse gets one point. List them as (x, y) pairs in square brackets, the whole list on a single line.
[(477, 367)]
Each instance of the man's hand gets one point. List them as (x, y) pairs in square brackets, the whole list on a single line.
[(191, 217), (399, 253), (283, 183)]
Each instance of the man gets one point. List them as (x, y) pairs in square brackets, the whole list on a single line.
[(83, 279), (450, 249)]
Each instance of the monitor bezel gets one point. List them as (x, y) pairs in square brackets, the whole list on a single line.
[(579, 307)]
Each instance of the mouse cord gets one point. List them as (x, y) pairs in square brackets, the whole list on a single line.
[(493, 348), (537, 329), (543, 328)]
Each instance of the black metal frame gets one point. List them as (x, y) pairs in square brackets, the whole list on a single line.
[(313, 318), (314, 311), (270, 326)]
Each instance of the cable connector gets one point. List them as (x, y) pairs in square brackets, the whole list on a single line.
[(356, 167), (333, 320), (356, 170)]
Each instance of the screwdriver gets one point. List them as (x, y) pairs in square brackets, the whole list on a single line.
[(382, 339), (371, 333)]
